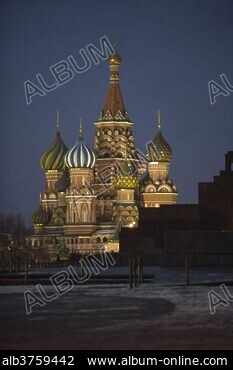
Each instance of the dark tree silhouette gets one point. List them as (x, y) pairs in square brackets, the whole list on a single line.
[(14, 225)]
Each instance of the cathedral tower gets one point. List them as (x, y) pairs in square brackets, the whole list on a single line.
[(126, 182), (156, 188), (80, 197), (113, 141), (52, 162)]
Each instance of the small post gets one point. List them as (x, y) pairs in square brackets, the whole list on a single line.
[(135, 270), (139, 270), (18, 264), (81, 268), (142, 272), (130, 272), (10, 268), (187, 269), (26, 270)]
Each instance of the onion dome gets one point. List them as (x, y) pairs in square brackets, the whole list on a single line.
[(41, 216), (80, 156), (126, 177), (158, 150), (63, 182), (53, 157)]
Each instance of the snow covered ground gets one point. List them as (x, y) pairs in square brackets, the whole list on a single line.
[(163, 314)]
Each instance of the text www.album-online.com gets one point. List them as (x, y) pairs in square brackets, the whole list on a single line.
[(153, 361), (28, 360)]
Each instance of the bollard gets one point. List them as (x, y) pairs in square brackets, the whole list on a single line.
[(142, 273), (187, 270), (130, 272), (135, 270), (81, 267), (26, 271), (139, 269)]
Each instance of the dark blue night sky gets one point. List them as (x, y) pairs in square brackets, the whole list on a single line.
[(170, 50)]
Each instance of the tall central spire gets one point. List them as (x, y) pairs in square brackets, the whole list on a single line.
[(158, 120), (114, 107)]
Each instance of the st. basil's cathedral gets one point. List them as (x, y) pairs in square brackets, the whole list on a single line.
[(90, 194)]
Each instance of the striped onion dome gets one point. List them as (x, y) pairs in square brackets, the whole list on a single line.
[(41, 216), (158, 150), (53, 157), (80, 156)]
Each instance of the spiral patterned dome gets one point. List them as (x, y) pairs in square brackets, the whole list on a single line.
[(53, 157), (41, 216), (158, 150), (80, 156)]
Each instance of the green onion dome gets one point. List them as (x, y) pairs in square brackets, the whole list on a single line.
[(158, 150), (41, 216), (53, 157), (126, 177)]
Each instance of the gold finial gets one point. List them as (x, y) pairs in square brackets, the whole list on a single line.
[(158, 120), (81, 127), (115, 58), (58, 120)]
